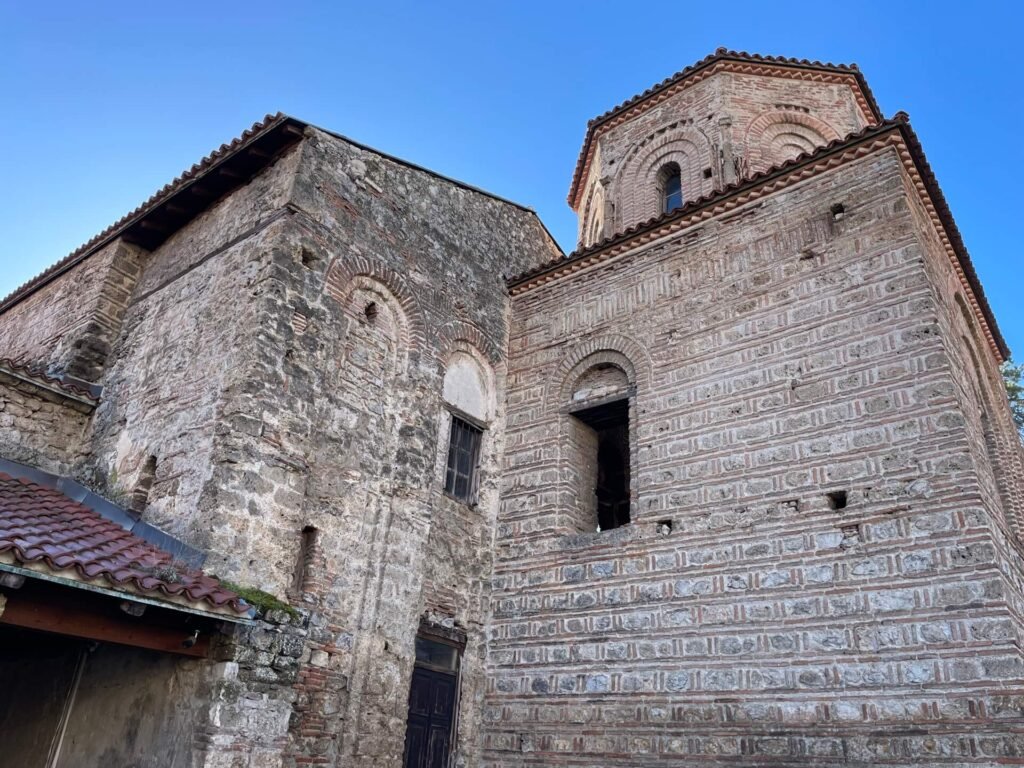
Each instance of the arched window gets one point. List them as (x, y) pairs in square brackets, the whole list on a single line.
[(467, 396), (671, 181)]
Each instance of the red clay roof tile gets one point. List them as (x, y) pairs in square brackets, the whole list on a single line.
[(42, 526), (32, 373)]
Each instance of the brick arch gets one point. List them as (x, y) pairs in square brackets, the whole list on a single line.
[(456, 333), (346, 275), (805, 131), (998, 428), (490, 367), (622, 351), (636, 183)]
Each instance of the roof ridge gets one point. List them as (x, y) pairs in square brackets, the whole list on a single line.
[(260, 126)]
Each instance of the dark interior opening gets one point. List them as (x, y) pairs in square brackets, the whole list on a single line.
[(610, 422), (836, 499)]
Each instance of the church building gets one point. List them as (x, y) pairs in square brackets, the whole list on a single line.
[(320, 458)]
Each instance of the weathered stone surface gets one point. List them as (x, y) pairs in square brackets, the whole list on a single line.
[(822, 565)]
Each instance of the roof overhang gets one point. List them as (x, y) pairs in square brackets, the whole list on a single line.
[(721, 60), (895, 133), (197, 189)]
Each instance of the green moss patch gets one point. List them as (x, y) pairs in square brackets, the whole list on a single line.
[(263, 602)]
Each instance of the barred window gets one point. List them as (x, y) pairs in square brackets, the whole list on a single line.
[(463, 455)]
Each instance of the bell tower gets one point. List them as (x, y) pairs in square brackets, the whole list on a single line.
[(726, 118)]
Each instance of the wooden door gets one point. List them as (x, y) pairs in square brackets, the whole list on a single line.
[(431, 710)]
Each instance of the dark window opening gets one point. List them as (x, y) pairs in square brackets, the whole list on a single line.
[(460, 478), (609, 423), (838, 211), (707, 173), (370, 312), (304, 560), (671, 188), (836, 499)]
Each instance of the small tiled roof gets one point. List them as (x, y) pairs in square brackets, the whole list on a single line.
[(72, 388), (44, 530), (721, 54)]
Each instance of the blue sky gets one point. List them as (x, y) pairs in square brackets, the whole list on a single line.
[(106, 102)]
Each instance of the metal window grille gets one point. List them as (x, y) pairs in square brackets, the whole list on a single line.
[(463, 456)]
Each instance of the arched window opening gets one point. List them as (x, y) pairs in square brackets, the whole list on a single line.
[(599, 444), (671, 180), (466, 393)]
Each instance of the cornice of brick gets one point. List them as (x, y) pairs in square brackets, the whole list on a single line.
[(895, 132)]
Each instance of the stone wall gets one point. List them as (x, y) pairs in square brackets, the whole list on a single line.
[(41, 425), (811, 577), (380, 276), (69, 325)]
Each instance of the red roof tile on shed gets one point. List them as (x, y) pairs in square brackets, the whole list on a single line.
[(42, 527)]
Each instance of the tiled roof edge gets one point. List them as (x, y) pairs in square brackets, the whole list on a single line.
[(74, 387), (108, 510), (952, 230), (168, 191)]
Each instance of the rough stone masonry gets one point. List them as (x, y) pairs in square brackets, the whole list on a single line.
[(744, 488)]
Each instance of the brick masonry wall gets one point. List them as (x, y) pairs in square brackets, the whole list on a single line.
[(730, 124), (778, 355)]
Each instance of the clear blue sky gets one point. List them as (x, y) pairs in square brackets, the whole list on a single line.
[(106, 102)]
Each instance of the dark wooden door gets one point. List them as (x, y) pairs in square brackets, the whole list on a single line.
[(431, 709)]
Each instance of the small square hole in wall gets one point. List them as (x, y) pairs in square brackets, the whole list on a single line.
[(707, 173), (836, 499), (838, 211), (664, 527)]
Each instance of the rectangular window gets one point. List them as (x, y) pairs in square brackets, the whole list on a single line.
[(600, 436), (463, 455)]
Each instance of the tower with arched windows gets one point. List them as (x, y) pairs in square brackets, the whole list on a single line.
[(707, 127)]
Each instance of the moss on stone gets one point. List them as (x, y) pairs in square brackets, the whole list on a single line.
[(263, 602)]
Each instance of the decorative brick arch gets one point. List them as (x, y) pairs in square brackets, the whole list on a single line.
[(458, 333), (622, 351), (636, 183), (346, 275), (798, 130)]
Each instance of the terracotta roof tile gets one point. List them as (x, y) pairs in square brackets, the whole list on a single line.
[(29, 372), (42, 526)]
